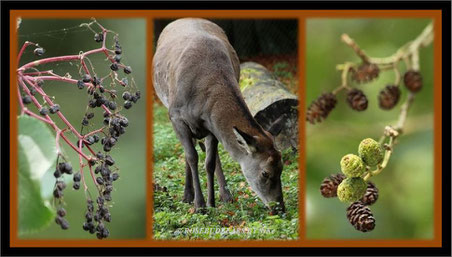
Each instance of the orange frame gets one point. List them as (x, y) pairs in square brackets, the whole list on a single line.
[(301, 15)]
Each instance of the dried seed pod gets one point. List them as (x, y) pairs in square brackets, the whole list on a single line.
[(389, 97), (371, 195), (357, 100), (329, 185), (360, 217), (366, 72), (321, 107), (413, 80)]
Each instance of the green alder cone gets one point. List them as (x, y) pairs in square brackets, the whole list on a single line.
[(371, 152), (352, 166), (351, 189)]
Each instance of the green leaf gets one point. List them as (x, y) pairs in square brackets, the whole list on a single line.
[(37, 156)]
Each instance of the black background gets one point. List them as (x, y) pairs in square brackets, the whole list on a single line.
[(445, 6)]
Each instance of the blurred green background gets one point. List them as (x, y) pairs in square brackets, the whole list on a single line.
[(404, 209), (64, 37)]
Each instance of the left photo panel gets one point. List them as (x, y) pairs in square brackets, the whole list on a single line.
[(81, 108)]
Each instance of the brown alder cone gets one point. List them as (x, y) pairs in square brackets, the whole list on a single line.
[(321, 107), (371, 195), (389, 97), (329, 185), (357, 100), (366, 72), (360, 217), (413, 80)]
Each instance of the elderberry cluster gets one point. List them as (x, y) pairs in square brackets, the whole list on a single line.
[(61, 169), (101, 95)]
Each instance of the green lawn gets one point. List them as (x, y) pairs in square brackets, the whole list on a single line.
[(173, 218)]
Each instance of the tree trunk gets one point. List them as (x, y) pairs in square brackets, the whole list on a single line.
[(268, 99)]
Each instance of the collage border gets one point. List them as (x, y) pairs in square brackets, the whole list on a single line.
[(301, 15)]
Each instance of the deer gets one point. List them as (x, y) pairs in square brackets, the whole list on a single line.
[(196, 75)]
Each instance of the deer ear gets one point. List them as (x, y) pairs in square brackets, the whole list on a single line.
[(247, 142), (277, 126)]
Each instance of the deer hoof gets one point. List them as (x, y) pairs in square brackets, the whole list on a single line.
[(188, 197), (226, 197)]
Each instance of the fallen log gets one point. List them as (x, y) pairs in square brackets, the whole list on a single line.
[(268, 99)]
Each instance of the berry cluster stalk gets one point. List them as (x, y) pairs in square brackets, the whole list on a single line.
[(31, 80)]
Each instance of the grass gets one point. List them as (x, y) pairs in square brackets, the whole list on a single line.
[(245, 218)]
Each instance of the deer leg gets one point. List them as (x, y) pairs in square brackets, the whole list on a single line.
[(211, 155), (188, 192), (225, 195), (185, 136)]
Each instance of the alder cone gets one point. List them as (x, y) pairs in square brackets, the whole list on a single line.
[(357, 100), (389, 97), (366, 72), (413, 80), (371, 195), (360, 217), (321, 107), (329, 185)]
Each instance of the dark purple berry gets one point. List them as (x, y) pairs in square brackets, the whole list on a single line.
[(126, 95), (26, 99), (112, 105), (92, 103), (127, 70), (43, 111), (96, 138), (85, 121), (98, 37), (76, 185), (90, 115), (107, 217), (57, 193), (109, 160), (32, 91), (86, 78), (40, 82), (124, 122), (125, 81), (77, 177), (64, 224), (60, 185), (117, 58), (61, 212), (100, 180), (85, 226), (107, 197), (57, 173), (80, 84), (39, 51), (88, 216), (58, 220), (107, 148), (54, 109), (99, 155), (127, 104), (115, 176), (114, 67)]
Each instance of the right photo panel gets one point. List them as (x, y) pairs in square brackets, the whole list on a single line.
[(369, 128)]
